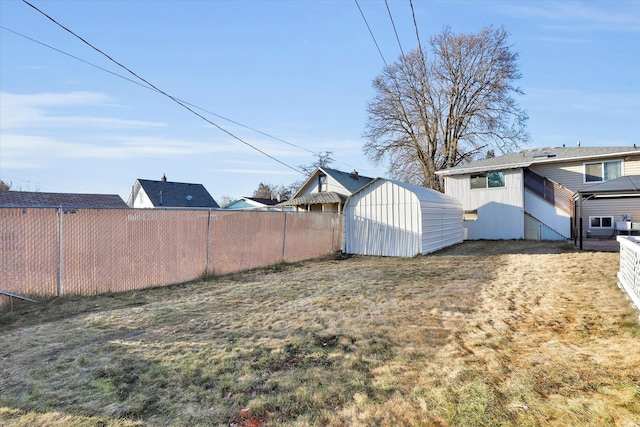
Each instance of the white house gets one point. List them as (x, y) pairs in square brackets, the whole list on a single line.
[(252, 204), (326, 190), (538, 194), (147, 193), (392, 218)]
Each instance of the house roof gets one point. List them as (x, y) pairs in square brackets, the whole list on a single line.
[(422, 193), (74, 200), (247, 203), (527, 158), (351, 181), (261, 200), (177, 194), (623, 184), (316, 199), (348, 179)]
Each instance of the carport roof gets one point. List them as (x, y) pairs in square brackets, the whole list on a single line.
[(624, 184)]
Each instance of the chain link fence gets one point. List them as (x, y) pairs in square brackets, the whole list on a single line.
[(47, 252)]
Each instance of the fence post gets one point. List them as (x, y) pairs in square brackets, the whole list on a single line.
[(60, 213), (206, 271), (284, 235)]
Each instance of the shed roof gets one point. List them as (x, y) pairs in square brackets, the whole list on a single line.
[(529, 157), (423, 193), (177, 194), (74, 200)]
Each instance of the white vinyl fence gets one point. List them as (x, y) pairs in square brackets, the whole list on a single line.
[(629, 274)]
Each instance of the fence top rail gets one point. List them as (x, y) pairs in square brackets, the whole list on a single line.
[(631, 242)]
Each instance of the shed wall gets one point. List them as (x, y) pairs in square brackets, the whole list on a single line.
[(383, 220), (389, 219)]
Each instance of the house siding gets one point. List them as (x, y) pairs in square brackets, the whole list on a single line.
[(608, 207), (571, 174), (142, 200), (331, 185), (500, 210)]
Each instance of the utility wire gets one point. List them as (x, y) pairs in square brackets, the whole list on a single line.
[(184, 105), (394, 27), (415, 25), (150, 88), (370, 32)]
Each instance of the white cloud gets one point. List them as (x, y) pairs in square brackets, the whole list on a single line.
[(582, 101), (28, 151), (28, 111), (581, 16), (260, 171)]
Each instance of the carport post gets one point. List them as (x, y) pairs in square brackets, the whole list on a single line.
[(580, 231)]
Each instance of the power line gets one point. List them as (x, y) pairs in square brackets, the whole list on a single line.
[(176, 100), (150, 88), (415, 25), (394, 27), (370, 32)]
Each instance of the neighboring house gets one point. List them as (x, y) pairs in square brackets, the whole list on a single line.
[(166, 194), (545, 193), (252, 204), (26, 199), (392, 218), (326, 190)]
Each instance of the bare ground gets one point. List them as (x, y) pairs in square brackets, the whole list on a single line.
[(483, 333)]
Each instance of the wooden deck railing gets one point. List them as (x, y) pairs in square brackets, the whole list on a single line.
[(550, 191)]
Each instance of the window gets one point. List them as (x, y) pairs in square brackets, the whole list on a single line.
[(600, 222), (322, 183), (487, 180), (470, 215), (602, 171)]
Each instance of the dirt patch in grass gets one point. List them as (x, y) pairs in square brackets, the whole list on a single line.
[(483, 333)]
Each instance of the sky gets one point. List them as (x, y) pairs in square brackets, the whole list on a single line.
[(277, 81)]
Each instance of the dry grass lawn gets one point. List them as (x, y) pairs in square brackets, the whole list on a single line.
[(484, 333)]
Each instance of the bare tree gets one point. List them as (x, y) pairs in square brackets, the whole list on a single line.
[(271, 191), (324, 159), (438, 109), (4, 186)]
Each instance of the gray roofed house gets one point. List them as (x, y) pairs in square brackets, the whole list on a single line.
[(537, 156), (547, 193), (327, 190), (26, 199), (148, 193), (252, 203)]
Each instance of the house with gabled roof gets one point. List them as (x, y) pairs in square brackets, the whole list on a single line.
[(37, 199), (547, 193), (326, 190), (252, 204), (148, 193)]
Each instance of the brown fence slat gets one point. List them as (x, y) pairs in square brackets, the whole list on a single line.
[(113, 250)]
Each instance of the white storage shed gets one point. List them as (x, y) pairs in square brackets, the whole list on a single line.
[(392, 218)]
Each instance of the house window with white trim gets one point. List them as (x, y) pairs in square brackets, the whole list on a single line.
[(600, 222), (602, 171), (322, 183), (487, 180)]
